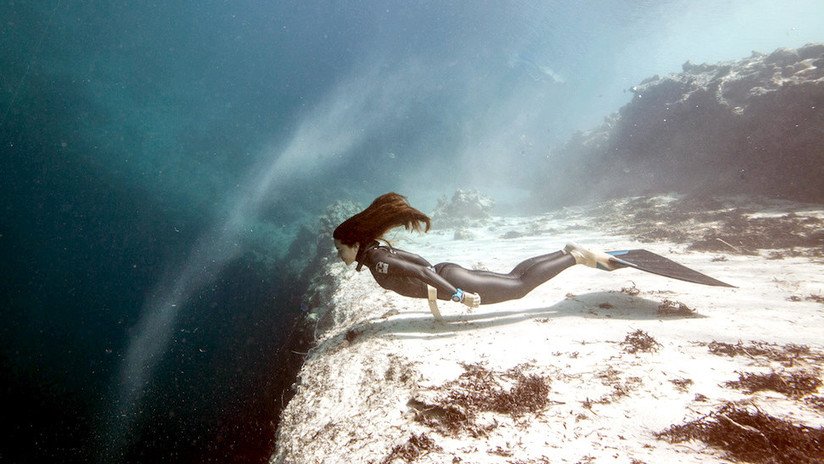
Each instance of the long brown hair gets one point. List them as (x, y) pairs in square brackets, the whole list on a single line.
[(388, 211)]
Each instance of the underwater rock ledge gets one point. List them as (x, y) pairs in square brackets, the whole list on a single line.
[(752, 126), (590, 366)]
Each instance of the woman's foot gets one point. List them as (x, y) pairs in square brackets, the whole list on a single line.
[(596, 259)]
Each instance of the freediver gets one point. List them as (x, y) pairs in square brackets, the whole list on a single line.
[(408, 274)]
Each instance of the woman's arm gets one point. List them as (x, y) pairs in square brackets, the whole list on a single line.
[(399, 265), (411, 265)]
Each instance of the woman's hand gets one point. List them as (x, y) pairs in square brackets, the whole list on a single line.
[(473, 300)]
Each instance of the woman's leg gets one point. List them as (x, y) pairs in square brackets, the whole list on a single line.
[(543, 270), (495, 288), (526, 264)]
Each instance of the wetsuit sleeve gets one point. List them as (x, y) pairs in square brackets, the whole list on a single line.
[(401, 265)]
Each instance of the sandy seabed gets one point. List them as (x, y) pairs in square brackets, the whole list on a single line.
[(592, 366)]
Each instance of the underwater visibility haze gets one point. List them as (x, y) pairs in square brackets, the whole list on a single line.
[(160, 159)]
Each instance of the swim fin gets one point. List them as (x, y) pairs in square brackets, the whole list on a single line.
[(648, 261)]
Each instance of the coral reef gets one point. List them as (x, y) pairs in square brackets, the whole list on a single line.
[(465, 208), (753, 126)]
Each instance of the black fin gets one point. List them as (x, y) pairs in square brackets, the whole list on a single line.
[(656, 264)]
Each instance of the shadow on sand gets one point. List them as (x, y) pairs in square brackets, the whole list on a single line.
[(600, 305)]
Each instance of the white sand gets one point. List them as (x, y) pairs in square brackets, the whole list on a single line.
[(352, 399)]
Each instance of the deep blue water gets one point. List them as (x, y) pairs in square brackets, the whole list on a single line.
[(158, 158)]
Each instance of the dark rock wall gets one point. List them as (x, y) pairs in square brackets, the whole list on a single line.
[(754, 126)]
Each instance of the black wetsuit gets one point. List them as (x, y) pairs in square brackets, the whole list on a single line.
[(408, 274)]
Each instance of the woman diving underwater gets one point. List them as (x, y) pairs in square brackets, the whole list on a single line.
[(408, 274)]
